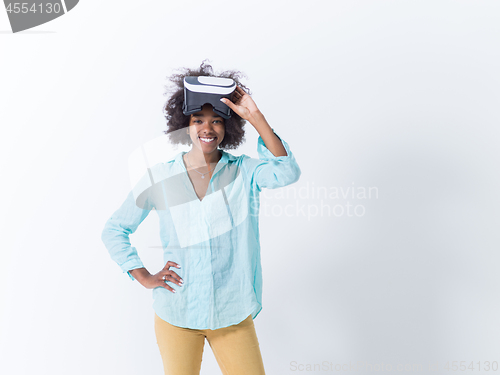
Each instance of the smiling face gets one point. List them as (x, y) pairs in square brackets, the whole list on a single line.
[(206, 129)]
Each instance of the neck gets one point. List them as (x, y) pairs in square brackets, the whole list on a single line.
[(198, 158)]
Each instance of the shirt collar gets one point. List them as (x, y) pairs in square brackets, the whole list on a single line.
[(225, 159)]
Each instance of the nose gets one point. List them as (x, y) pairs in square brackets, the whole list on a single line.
[(207, 125)]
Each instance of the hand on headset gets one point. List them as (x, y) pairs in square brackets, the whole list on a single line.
[(242, 104)]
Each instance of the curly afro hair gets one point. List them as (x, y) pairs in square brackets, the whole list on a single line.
[(176, 120)]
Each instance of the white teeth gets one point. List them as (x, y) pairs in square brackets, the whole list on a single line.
[(207, 140)]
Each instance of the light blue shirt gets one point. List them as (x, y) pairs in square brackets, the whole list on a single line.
[(215, 240)]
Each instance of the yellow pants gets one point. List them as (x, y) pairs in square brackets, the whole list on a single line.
[(236, 348)]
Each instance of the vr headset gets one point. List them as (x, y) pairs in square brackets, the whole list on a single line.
[(200, 90)]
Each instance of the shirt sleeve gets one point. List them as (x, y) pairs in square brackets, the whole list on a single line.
[(271, 171), (117, 229)]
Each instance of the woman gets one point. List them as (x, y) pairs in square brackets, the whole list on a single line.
[(208, 205)]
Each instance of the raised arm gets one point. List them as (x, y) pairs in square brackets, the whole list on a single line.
[(246, 108), (276, 166)]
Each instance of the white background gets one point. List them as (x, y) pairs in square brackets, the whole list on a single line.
[(398, 95)]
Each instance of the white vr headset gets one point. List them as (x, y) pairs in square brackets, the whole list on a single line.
[(200, 90)]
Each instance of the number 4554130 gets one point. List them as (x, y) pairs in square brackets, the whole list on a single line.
[(40, 8), (484, 366)]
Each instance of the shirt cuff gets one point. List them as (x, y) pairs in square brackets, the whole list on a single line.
[(130, 265), (265, 154)]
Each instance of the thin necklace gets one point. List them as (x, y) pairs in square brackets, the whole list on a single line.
[(202, 174)]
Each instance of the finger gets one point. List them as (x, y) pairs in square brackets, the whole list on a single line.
[(173, 277), (242, 92), (171, 264), (164, 283), (229, 103), (167, 287)]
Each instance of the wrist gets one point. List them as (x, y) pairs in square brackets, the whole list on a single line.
[(140, 273), (257, 119)]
